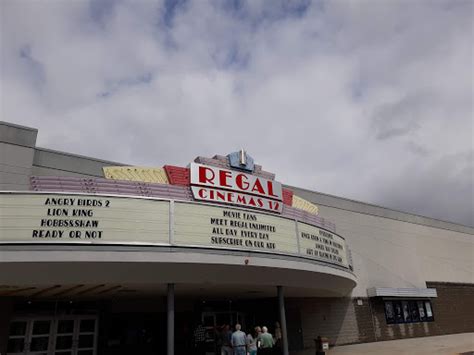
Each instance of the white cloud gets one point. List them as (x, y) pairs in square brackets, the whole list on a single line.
[(367, 100)]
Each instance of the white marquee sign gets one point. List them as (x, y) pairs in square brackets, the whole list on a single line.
[(32, 218)]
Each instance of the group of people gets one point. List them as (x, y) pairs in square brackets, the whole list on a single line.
[(237, 342)]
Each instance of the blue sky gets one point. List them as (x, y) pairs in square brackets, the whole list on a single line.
[(370, 100)]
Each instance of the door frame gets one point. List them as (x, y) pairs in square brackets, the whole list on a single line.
[(53, 334)]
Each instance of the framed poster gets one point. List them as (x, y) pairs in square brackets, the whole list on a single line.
[(389, 312), (421, 310), (429, 311), (397, 306), (413, 311), (406, 312)]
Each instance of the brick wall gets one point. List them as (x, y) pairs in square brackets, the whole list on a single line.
[(342, 320), (454, 308), (365, 322)]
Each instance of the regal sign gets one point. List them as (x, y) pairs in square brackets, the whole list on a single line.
[(213, 184)]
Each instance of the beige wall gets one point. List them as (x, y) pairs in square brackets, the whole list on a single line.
[(391, 253), (55, 163), (329, 317), (15, 167), (17, 145)]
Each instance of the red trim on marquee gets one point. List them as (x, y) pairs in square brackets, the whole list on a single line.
[(180, 176), (177, 175), (287, 197)]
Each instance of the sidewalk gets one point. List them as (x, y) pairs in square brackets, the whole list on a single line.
[(443, 344)]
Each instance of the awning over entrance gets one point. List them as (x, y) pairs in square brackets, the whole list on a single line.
[(402, 292), (80, 271)]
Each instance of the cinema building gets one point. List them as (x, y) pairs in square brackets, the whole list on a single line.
[(98, 257)]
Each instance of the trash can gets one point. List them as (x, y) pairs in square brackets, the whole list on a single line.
[(322, 345)]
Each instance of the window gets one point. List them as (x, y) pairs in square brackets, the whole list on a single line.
[(408, 311)]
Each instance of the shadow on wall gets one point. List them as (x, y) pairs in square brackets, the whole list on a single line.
[(341, 320)]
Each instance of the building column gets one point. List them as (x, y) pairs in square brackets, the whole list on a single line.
[(170, 320), (6, 313), (281, 309)]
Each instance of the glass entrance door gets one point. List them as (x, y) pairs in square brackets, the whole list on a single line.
[(213, 322), (40, 332), (30, 336), (18, 337), (216, 319), (73, 335), (86, 336), (64, 337)]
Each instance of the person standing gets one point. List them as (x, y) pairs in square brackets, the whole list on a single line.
[(266, 340), (278, 345), (200, 339), (239, 341), (258, 333), (252, 342), (226, 341)]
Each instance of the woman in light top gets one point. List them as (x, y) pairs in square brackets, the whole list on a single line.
[(252, 342)]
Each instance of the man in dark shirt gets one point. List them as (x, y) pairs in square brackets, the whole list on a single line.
[(200, 339), (226, 341)]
